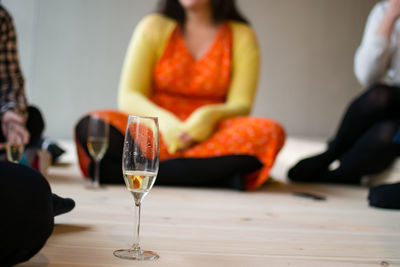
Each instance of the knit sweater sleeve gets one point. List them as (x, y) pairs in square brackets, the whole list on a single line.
[(149, 38), (245, 70), (372, 57)]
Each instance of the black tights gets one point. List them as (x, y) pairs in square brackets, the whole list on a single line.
[(27, 213), (363, 143)]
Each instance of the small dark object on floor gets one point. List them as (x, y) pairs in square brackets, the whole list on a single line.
[(309, 195)]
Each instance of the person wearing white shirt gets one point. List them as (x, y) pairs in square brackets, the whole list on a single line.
[(378, 57), (366, 142)]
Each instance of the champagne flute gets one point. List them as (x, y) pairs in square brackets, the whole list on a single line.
[(139, 167), (15, 146), (97, 144)]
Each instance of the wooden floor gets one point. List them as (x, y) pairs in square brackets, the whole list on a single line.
[(203, 227)]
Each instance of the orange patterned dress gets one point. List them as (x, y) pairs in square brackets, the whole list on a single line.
[(181, 84)]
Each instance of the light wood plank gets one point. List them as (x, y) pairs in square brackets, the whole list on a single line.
[(208, 227)]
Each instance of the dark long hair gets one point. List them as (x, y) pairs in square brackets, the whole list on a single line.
[(222, 10)]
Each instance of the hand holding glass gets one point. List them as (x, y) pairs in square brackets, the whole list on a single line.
[(139, 167), (97, 143)]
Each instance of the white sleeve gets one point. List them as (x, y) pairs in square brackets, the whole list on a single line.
[(372, 57)]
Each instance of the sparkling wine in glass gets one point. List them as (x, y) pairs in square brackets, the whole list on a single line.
[(14, 147), (139, 167), (97, 144), (14, 152)]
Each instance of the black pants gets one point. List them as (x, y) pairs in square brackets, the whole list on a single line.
[(364, 140), (35, 126), (27, 213)]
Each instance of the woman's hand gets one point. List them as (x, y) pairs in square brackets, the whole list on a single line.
[(17, 133), (186, 140), (13, 127)]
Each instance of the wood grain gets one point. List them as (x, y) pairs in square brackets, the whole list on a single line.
[(209, 227)]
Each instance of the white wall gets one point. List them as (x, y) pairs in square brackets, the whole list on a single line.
[(72, 52), (308, 45)]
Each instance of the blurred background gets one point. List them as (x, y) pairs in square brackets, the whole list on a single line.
[(72, 52)]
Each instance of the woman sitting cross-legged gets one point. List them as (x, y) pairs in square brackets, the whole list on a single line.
[(365, 142), (195, 66)]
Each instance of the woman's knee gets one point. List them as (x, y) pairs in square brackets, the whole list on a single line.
[(384, 132), (117, 121), (380, 96), (26, 199), (37, 206), (116, 138)]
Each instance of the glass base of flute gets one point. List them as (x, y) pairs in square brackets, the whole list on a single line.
[(132, 254), (135, 252)]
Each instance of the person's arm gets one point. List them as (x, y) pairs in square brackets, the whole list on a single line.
[(136, 79), (391, 15), (13, 104), (12, 95), (245, 70), (372, 58)]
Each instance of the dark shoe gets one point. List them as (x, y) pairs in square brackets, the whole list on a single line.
[(62, 205), (311, 169), (386, 196), (54, 149)]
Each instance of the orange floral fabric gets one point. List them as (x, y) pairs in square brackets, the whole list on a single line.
[(181, 84)]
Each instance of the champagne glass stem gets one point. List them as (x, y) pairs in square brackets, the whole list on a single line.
[(96, 182), (136, 235)]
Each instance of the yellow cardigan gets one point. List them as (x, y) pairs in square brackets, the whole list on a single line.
[(145, 49)]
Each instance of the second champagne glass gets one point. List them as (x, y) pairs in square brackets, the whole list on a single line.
[(140, 168), (15, 146), (97, 143)]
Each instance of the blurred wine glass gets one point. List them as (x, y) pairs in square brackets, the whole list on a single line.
[(97, 144)]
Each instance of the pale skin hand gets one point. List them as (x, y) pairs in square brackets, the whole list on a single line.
[(13, 127), (186, 140), (385, 28)]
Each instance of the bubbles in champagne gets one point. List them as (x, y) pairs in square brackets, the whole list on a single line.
[(139, 183)]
